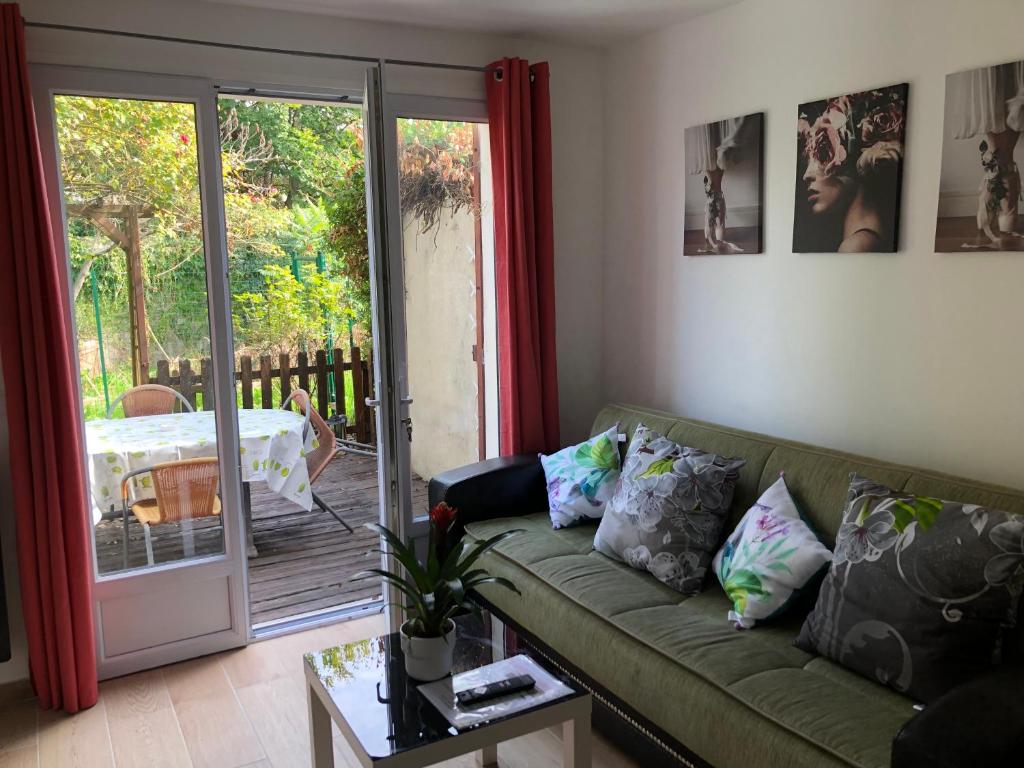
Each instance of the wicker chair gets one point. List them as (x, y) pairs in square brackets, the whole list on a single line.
[(149, 400), (185, 490), (326, 450)]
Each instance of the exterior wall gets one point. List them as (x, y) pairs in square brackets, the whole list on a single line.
[(440, 309)]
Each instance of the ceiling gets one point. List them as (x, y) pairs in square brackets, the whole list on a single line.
[(594, 22)]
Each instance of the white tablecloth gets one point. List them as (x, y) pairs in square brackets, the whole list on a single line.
[(271, 446)]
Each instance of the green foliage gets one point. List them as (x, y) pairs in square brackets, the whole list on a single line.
[(441, 588), (348, 240), (288, 314), (293, 180)]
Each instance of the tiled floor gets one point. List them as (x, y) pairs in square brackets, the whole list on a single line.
[(234, 709)]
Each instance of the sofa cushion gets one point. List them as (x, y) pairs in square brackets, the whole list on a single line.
[(678, 664), (582, 478), (667, 512), (919, 591), (770, 559)]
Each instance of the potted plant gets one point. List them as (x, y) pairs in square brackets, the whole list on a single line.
[(435, 591)]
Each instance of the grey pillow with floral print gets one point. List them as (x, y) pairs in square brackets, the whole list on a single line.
[(920, 590), (667, 512)]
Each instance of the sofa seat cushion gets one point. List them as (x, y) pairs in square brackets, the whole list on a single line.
[(672, 658)]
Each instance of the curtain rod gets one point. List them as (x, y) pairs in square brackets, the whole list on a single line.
[(258, 48)]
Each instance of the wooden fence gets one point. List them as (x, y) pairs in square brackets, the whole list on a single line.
[(270, 381)]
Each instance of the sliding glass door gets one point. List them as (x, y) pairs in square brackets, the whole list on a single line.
[(299, 268), (136, 161), (441, 271), (250, 343)]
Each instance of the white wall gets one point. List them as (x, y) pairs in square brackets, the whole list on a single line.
[(913, 357), (577, 93)]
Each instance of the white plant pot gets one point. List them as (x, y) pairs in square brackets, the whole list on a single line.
[(428, 658)]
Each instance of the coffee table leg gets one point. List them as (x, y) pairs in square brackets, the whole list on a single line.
[(576, 742), (320, 747), (487, 757)]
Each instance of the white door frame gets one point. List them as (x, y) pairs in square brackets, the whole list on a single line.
[(225, 573), (412, 524)]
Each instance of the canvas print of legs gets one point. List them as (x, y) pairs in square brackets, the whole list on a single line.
[(849, 172), (724, 184), (980, 187)]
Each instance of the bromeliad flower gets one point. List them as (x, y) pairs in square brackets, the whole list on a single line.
[(867, 537), (1009, 537)]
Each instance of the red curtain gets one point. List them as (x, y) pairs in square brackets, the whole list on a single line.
[(519, 122), (42, 405)]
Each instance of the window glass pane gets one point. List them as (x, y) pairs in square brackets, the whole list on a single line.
[(130, 180), (298, 259), (447, 248)]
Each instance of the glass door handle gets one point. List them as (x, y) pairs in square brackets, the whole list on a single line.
[(372, 402), (407, 400)]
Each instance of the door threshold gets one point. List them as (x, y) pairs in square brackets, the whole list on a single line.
[(313, 619)]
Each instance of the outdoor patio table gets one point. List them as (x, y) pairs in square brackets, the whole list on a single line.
[(271, 446)]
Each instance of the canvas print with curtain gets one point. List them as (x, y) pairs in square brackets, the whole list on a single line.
[(980, 188), (724, 183), (849, 172)]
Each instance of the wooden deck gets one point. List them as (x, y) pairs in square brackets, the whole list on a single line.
[(305, 559)]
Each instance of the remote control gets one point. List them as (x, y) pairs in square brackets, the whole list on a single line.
[(473, 696)]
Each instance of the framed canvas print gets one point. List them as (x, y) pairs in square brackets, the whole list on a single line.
[(723, 212), (849, 172), (979, 187)]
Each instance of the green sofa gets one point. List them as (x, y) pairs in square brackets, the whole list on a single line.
[(733, 699)]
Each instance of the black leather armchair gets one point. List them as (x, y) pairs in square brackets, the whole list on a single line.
[(979, 724), (505, 487)]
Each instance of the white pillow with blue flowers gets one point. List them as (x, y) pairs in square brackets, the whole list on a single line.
[(769, 558), (582, 478)]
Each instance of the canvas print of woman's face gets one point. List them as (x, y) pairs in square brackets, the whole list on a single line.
[(980, 188), (849, 172)]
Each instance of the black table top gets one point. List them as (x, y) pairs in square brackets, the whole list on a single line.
[(368, 684)]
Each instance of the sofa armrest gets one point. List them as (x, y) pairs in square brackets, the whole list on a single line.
[(504, 487), (978, 723)]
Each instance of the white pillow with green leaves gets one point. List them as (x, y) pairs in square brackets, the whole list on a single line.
[(582, 478), (769, 558)]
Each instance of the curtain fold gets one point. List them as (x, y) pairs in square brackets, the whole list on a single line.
[(519, 123), (42, 405)]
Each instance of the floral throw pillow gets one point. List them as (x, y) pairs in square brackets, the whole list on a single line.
[(920, 590), (769, 558), (667, 512), (581, 478)]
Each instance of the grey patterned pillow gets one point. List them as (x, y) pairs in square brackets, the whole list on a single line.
[(920, 590), (668, 509)]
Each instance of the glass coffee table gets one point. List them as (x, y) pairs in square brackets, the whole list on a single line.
[(363, 688)]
